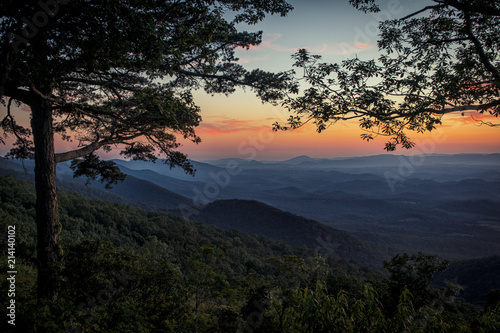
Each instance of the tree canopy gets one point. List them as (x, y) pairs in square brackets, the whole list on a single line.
[(117, 72), (121, 72), (441, 59), (128, 269)]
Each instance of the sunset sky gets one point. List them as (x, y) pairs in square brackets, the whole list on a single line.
[(240, 125)]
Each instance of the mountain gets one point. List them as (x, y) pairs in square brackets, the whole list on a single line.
[(182, 187), (162, 236), (133, 191), (153, 265), (203, 170), (137, 189), (253, 217), (240, 161), (412, 203), (250, 217), (382, 160), (299, 160)]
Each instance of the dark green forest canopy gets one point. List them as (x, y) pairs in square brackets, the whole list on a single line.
[(128, 268), (130, 228), (441, 59)]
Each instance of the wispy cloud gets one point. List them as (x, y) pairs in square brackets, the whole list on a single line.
[(350, 48), (218, 125), (471, 117), (245, 60), (271, 42)]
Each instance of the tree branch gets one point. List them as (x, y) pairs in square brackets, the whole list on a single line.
[(90, 148), (479, 48), (213, 76), (48, 98), (21, 95), (422, 10), (84, 151), (105, 84), (465, 108), (450, 40), (467, 6), (487, 123)]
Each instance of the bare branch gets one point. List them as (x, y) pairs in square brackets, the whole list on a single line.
[(487, 123), (422, 10), (479, 48), (90, 148), (479, 107), (69, 155), (48, 98), (12, 121)]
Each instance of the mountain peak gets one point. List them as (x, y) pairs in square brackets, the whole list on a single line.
[(299, 159)]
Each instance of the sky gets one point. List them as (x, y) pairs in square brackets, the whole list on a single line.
[(240, 125)]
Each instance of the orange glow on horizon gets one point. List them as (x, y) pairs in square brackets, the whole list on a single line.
[(241, 127), (343, 139)]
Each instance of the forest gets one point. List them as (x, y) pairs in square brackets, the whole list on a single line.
[(82, 78), (131, 270)]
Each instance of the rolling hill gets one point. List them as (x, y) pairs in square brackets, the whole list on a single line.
[(253, 217)]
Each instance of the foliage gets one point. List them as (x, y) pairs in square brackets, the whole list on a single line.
[(127, 269), (121, 72), (478, 277), (438, 60), (117, 73), (254, 217), (414, 273)]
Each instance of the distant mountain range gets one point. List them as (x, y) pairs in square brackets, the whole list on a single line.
[(441, 204), (251, 217), (380, 160)]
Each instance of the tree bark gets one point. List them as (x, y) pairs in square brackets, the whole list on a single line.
[(46, 201)]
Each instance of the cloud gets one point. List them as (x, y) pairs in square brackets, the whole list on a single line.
[(471, 117), (245, 60), (345, 48), (271, 43), (219, 125)]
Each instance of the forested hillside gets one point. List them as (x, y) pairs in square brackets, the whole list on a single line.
[(126, 269), (253, 217)]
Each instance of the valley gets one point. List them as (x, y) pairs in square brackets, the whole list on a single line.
[(385, 204)]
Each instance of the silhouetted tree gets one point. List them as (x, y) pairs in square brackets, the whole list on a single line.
[(117, 73), (441, 59)]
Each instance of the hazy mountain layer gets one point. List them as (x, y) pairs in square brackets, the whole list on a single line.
[(442, 204)]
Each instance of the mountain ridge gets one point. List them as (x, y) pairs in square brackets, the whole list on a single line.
[(254, 217)]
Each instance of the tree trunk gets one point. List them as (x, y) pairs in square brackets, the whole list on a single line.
[(46, 201)]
